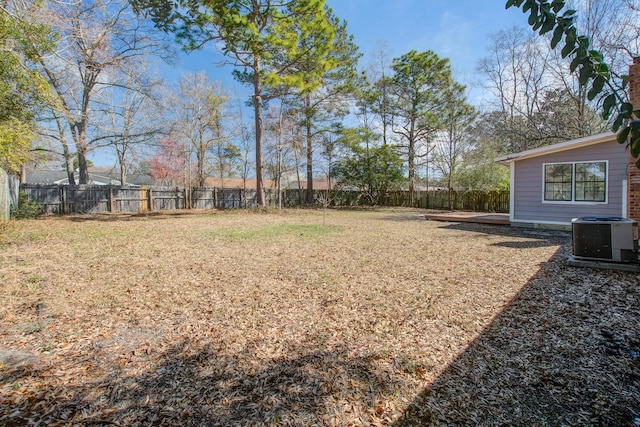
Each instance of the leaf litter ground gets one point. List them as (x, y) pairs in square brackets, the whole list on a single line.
[(299, 317)]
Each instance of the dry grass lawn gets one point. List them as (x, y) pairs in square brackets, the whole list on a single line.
[(373, 317)]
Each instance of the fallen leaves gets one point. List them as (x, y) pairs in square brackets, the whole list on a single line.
[(377, 319)]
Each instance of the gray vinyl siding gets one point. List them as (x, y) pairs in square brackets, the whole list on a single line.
[(528, 184)]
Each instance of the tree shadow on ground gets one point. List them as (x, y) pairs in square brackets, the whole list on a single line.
[(526, 244), (405, 214), (135, 216), (564, 351), (530, 238), (202, 385)]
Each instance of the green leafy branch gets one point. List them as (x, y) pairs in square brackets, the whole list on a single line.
[(593, 72)]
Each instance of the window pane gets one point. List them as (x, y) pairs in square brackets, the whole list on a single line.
[(557, 182), (591, 182)]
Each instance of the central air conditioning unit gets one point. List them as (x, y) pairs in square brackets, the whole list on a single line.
[(605, 239)]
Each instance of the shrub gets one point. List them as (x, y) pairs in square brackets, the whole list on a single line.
[(26, 209)]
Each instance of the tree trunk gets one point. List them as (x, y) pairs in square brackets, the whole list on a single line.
[(300, 190), (123, 172), (81, 153), (80, 139), (411, 162), (81, 127), (307, 106), (451, 168), (257, 104), (450, 192), (68, 158), (200, 157), (279, 176), (82, 166)]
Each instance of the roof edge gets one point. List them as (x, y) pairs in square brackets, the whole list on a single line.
[(555, 148)]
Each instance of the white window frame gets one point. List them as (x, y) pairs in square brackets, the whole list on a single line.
[(573, 184)]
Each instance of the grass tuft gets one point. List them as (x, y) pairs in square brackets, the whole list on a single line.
[(278, 231)]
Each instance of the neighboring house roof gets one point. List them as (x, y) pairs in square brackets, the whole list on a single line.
[(114, 174), (317, 185), (56, 177), (139, 179), (268, 183), (555, 148), (60, 177), (235, 183), (44, 177)]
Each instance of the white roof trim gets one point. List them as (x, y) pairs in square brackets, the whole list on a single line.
[(555, 148)]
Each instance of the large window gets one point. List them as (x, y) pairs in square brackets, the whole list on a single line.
[(558, 182), (575, 182), (591, 180)]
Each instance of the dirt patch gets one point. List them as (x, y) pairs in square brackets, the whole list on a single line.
[(304, 318)]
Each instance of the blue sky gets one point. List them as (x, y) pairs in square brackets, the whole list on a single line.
[(455, 29)]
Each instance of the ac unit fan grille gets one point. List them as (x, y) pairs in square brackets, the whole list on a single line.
[(592, 240)]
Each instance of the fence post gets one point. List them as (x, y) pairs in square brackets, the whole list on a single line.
[(61, 210), (149, 199), (177, 198), (110, 198)]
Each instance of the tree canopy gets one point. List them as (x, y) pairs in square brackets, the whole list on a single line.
[(22, 88), (372, 170), (301, 67), (267, 40), (552, 16), (419, 86)]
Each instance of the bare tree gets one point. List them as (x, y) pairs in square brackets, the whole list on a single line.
[(130, 114), (198, 105), (226, 156), (283, 146), (379, 72), (539, 99), (517, 76), (420, 83), (242, 133), (94, 38), (454, 142), (612, 28)]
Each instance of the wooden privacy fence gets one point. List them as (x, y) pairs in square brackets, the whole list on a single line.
[(63, 199), (478, 201)]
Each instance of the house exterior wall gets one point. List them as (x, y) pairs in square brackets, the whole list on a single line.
[(528, 206), (634, 173), (634, 192)]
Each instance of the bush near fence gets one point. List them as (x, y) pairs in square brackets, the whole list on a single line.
[(63, 199)]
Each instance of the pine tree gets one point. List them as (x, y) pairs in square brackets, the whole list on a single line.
[(261, 37)]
